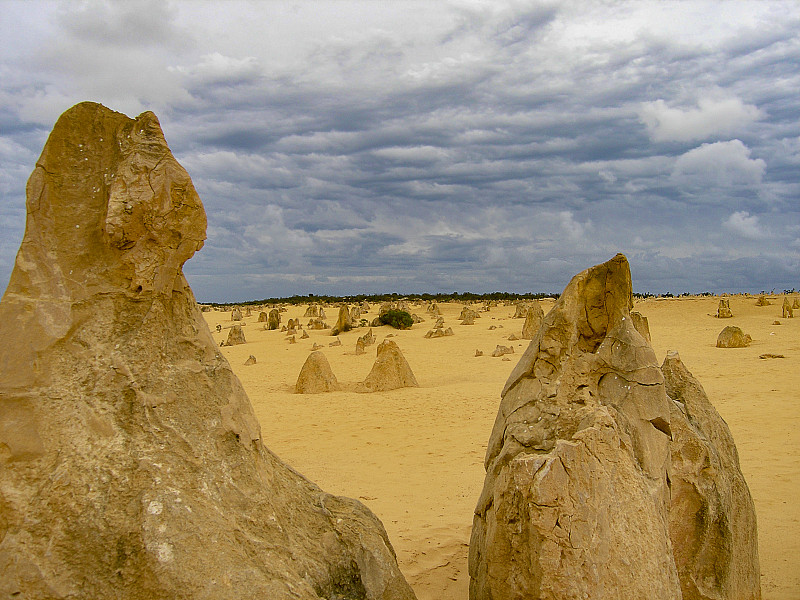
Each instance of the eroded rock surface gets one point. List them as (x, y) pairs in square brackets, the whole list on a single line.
[(131, 463), (316, 376), (724, 309), (787, 310), (344, 322), (235, 336), (575, 499), (733, 337), (712, 517), (533, 320), (641, 324), (315, 311), (390, 371)]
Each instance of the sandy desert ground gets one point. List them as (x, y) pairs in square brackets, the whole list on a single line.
[(415, 455)]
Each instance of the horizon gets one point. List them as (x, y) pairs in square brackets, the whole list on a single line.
[(351, 146), (470, 296)]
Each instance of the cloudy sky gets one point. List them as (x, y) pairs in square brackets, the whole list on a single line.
[(439, 146)]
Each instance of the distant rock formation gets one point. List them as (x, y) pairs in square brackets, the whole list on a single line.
[(521, 310), (251, 360), (712, 517), (724, 309), (262, 317), (315, 311), (762, 301), (365, 340), (439, 332), (386, 307), (796, 303), (316, 324), (344, 322), (316, 376), (575, 499), (235, 336), (533, 320), (467, 314), (390, 371), (273, 319), (733, 337), (132, 464), (236, 315), (788, 311), (502, 351)]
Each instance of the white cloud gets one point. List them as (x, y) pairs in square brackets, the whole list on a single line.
[(217, 68), (713, 117), (574, 228), (607, 176), (721, 164), (745, 225)]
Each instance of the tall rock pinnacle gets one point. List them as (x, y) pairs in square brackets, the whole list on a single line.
[(131, 463)]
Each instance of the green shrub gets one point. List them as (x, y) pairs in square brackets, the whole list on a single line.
[(399, 319)]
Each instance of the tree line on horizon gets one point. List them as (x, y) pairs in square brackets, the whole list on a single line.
[(466, 297)]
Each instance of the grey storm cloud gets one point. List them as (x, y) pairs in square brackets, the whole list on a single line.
[(350, 147)]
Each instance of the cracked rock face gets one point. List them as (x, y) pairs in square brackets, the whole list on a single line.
[(712, 517), (131, 463), (575, 501)]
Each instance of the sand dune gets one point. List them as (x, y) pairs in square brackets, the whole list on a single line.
[(415, 455)]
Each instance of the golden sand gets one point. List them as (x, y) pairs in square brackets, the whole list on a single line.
[(415, 455)]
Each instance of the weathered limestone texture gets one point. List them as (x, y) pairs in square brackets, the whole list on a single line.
[(607, 477), (273, 319), (533, 320), (344, 322), (576, 494), (641, 324), (235, 336), (390, 371), (316, 376), (733, 337), (712, 517), (131, 463), (724, 309)]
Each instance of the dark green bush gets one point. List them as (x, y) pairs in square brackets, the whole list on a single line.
[(399, 319)]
